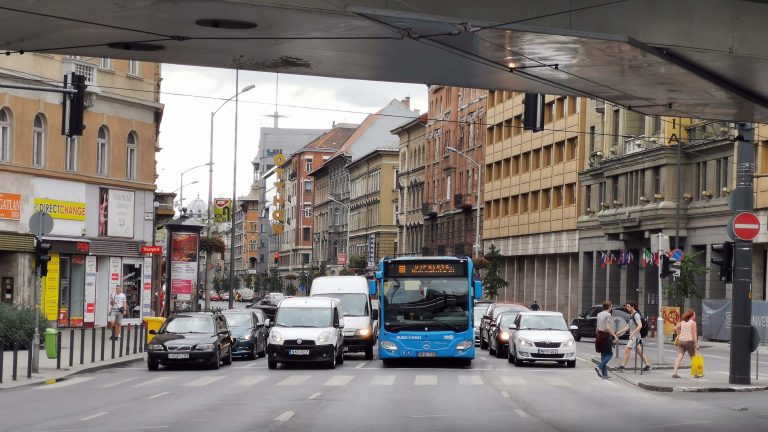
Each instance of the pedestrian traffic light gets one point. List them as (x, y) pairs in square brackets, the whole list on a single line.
[(277, 257), (726, 263), (42, 257), (73, 105), (665, 270)]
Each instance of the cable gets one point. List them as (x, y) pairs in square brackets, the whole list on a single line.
[(548, 15)]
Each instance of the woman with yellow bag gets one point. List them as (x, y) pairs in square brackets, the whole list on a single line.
[(687, 342)]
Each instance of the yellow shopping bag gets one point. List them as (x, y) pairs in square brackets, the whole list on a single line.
[(697, 365)]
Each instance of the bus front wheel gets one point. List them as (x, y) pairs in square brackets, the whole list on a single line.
[(389, 362)]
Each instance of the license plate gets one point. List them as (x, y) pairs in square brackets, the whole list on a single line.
[(298, 352), (547, 351), (428, 354), (346, 349), (178, 356)]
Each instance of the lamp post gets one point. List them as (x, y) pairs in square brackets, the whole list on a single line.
[(210, 195), (182, 187), (477, 246), (181, 182), (346, 246)]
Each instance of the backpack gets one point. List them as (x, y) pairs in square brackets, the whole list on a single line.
[(644, 323)]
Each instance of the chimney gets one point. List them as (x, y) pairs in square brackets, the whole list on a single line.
[(407, 102), (334, 124)]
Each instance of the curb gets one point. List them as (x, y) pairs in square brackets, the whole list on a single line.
[(71, 372), (669, 389)]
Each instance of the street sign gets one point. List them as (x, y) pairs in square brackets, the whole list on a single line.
[(372, 250), (341, 258), (677, 255), (41, 223), (222, 210), (746, 226)]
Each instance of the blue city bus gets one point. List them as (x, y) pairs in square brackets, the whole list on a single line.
[(426, 308)]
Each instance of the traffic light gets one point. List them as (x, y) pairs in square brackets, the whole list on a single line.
[(73, 106), (42, 257), (277, 257), (726, 263), (665, 270), (533, 112)]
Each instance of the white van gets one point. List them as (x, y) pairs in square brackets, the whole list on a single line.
[(306, 330), (359, 317)]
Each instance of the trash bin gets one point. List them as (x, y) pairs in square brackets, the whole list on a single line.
[(50, 343), (153, 323)]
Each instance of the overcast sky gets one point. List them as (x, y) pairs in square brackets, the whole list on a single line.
[(185, 128)]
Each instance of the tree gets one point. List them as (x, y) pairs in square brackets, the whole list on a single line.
[(274, 282), (212, 244), (493, 282), (685, 286), (358, 262)]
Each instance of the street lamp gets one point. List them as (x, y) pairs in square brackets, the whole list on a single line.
[(346, 246), (477, 246), (210, 198), (181, 188)]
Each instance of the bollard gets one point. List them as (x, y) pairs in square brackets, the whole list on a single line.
[(127, 339), (93, 345), (82, 346), (113, 343), (15, 358), (122, 338), (103, 335), (2, 346), (71, 347), (135, 337), (58, 350), (29, 361)]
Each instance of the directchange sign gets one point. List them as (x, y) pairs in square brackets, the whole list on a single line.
[(67, 210)]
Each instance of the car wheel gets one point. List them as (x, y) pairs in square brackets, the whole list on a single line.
[(500, 351), (153, 365), (510, 359), (216, 361), (518, 362), (369, 353), (340, 358), (228, 358), (576, 336), (271, 364), (331, 364), (572, 364)]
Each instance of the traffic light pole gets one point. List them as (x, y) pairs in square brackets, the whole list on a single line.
[(36, 334), (660, 316), (742, 200)]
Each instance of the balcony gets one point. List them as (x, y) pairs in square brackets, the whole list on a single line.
[(88, 70), (428, 210), (640, 143)]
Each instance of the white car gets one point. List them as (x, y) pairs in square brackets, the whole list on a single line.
[(541, 336)]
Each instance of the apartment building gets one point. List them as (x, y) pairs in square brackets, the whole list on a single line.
[(410, 185)]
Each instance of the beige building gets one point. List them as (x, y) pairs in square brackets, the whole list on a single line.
[(410, 186)]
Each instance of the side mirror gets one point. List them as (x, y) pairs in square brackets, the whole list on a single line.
[(341, 323), (375, 314), (513, 327), (152, 332), (478, 289), (372, 287), (486, 317)]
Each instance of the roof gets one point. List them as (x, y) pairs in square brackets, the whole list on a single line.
[(546, 313), (333, 139), (308, 302), (408, 124)]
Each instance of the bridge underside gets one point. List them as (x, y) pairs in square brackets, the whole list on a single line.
[(690, 58)]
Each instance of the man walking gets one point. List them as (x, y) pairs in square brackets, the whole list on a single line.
[(535, 305), (634, 327), (118, 309), (605, 338)]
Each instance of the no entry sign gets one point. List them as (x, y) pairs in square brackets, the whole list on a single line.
[(746, 226)]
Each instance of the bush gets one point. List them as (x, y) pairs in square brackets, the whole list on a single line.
[(17, 324)]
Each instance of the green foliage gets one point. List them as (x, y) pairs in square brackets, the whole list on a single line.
[(274, 282), (492, 282), (290, 288), (358, 262), (212, 244), (685, 286), (346, 272), (17, 324)]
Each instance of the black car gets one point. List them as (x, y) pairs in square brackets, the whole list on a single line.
[(249, 332), (586, 323), (490, 316), (267, 306), (191, 337), (498, 342)]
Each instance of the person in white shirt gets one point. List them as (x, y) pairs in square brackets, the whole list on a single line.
[(605, 339), (118, 304)]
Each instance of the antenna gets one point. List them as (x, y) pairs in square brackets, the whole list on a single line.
[(275, 115)]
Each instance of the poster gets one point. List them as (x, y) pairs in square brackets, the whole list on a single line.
[(222, 210), (184, 265), (51, 289), (116, 208), (671, 316), (716, 319), (115, 265), (90, 289), (146, 296)]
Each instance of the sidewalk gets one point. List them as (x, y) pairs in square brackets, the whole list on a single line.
[(91, 359), (716, 372)]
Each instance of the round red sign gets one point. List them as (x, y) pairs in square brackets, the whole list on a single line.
[(746, 226)]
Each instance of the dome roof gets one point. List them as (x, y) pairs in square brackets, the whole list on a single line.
[(197, 209)]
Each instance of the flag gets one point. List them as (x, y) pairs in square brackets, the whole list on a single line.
[(656, 259), (612, 259), (603, 260), (646, 258), (630, 257)]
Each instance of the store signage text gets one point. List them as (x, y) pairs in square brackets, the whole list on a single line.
[(278, 215), (10, 206), (67, 210)]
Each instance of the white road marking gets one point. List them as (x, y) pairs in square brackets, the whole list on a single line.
[(423, 380), (512, 381), (204, 381), (251, 380), (67, 383), (284, 417), (93, 416), (117, 383), (362, 365), (314, 396), (293, 380), (504, 394), (521, 413), (387, 380), (339, 380), (153, 381), (675, 425), (470, 380), (158, 395), (557, 381)]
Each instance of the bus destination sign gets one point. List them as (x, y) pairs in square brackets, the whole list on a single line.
[(434, 269)]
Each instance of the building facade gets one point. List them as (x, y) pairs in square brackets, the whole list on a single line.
[(99, 188), (410, 185)]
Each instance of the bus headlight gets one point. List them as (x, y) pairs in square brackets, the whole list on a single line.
[(389, 346), (464, 345)]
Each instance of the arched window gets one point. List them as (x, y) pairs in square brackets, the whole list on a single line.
[(38, 141), (102, 151), (131, 156), (5, 136)]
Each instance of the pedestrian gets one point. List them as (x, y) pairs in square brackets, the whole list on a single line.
[(118, 303), (604, 339), (687, 338), (634, 327), (535, 305)]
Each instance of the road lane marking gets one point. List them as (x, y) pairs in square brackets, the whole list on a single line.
[(386, 380), (294, 380), (521, 413), (674, 425), (470, 380), (504, 394), (117, 383), (425, 380), (284, 417), (251, 380), (152, 381), (158, 395), (339, 380), (93, 416), (67, 383), (204, 381), (361, 365), (557, 381), (512, 381), (314, 396)]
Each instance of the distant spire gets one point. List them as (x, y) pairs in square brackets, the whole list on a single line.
[(275, 115)]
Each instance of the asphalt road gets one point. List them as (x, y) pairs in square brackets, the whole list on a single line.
[(365, 396)]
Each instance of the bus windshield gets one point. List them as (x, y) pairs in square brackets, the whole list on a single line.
[(426, 304)]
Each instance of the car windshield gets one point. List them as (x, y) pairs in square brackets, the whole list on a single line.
[(189, 324), (543, 322), (499, 309), (432, 303), (304, 317), (354, 305), (507, 319), (239, 319)]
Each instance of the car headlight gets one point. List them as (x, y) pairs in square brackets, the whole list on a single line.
[(569, 343), (389, 346), (323, 337), (464, 345), (363, 332), (526, 342), (504, 336), (247, 336), (155, 347), (205, 347), (275, 337)]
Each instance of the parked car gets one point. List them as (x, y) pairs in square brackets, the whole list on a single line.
[(249, 331), (490, 315), (498, 342), (267, 306), (307, 329), (478, 312), (585, 325), (191, 337), (225, 295), (215, 296), (541, 336)]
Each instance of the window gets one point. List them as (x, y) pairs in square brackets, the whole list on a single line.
[(723, 175), (514, 209), (558, 196), (547, 155), (701, 179), (587, 198), (615, 188), (70, 154), (307, 186), (131, 159), (105, 63), (535, 201), (559, 152), (504, 207), (536, 159), (448, 187), (134, 68), (524, 203), (307, 209), (308, 164), (305, 234), (5, 136), (657, 180), (525, 162), (102, 152), (570, 194), (615, 130), (570, 149), (38, 141), (656, 126), (591, 139), (546, 201), (470, 174), (515, 165)]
